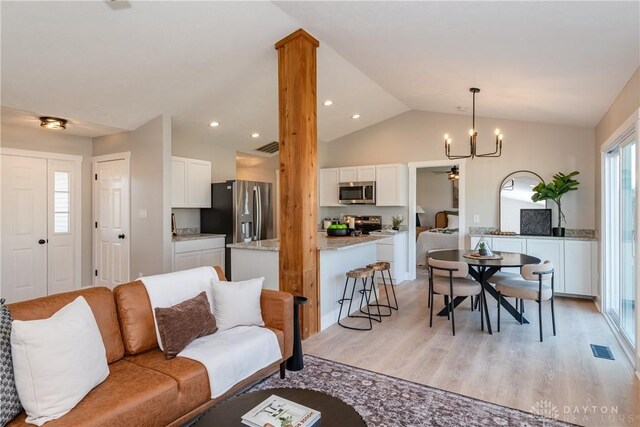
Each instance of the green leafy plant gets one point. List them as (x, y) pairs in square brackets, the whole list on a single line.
[(397, 220), (554, 191), (482, 248)]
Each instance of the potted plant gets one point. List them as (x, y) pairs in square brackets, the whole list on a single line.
[(482, 249), (396, 221), (554, 190)]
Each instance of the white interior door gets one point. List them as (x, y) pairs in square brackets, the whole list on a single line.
[(111, 203), (24, 228)]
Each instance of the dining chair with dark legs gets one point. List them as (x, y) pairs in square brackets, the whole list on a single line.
[(536, 284), (451, 279)]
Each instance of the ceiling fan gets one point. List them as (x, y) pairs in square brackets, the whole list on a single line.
[(452, 173)]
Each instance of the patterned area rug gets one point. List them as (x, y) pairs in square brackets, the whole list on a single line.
[(385, 401)]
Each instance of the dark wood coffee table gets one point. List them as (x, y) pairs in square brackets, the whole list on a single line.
[(334, 412)]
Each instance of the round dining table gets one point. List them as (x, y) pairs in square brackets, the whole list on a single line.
[(482, 270)]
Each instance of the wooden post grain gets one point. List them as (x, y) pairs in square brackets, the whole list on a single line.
[(298, 173)]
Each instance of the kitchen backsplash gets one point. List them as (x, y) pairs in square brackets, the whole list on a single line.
[(385, 211), (187, 218)]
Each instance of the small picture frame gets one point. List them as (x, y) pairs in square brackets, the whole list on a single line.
[(535, 222)]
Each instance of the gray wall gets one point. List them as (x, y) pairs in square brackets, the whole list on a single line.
[(39, 139), (418, 136), (150, 147)]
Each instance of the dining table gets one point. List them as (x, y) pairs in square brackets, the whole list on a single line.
[(482, 270)]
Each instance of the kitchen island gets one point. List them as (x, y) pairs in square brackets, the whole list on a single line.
[(336, 256)]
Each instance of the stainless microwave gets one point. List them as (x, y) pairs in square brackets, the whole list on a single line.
[(357, 193)]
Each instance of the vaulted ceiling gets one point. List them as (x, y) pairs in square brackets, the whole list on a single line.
[(110, 66)]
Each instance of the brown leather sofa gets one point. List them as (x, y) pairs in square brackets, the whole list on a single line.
[(143, 387)]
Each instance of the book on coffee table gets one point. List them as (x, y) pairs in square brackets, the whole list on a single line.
[(278, 412)]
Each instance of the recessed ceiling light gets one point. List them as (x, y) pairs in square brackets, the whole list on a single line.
[(355, 116), (255, 135), (327, 102), (53, 122), (214, 124), (462, 108)]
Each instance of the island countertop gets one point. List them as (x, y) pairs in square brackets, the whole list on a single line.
[(324, 243)]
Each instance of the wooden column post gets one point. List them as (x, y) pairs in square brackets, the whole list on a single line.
[(298, 173)]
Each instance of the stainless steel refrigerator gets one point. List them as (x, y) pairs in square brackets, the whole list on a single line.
[(242, 210)]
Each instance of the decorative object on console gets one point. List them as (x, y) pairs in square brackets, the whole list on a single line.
[(9, 401), (515, 193), (473, 135), (535, 222), (396, 221), (554, 191), (184, 322)]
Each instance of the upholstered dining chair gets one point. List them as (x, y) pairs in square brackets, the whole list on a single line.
[(535, 284), (451, 279)]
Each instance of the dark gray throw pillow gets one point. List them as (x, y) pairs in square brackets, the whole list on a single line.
[(9, 402)]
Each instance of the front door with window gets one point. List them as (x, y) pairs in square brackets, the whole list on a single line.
[(38, 227)]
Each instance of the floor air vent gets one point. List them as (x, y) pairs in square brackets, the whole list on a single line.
[(602, 352), (270, 148)]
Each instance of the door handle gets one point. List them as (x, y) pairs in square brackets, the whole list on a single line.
[(120, 236), (42, 241)]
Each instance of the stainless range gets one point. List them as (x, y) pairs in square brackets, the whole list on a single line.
[(365, 224)]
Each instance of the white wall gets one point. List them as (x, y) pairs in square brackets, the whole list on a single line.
[(52, 141), (542, 148), (434, 193), (150, 147)]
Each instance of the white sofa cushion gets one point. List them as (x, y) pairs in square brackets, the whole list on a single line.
[(237, 303), (57, 361)]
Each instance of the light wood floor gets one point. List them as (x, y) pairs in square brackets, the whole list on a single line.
[(510, 368)]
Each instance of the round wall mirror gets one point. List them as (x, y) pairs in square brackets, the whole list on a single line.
[(516, 190)]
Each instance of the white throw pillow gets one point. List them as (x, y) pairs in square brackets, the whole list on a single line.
[(237, 303), (452, 221), (57, 361)]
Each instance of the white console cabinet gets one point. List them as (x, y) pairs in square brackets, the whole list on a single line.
[(575, 261)]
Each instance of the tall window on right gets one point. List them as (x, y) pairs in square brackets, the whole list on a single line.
[(620, 234)]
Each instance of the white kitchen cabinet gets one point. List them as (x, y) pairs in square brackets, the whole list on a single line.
[(578, 273), (552, 250), (348, 174), (328, 186), (391, 185), (190, 183), (358, 174), (394, 251), (198, 253)]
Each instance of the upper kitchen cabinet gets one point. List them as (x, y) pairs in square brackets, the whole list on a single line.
[(328, 186), (357, 174), (391, 185), (190, 183)]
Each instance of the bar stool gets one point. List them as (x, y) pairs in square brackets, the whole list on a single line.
[(363, 274), (383, 266)]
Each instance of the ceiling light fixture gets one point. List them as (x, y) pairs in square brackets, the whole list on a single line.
[(214, 124), (453, 173), (473, 135), (53, 122), (355, 116), (327, 103), (255, 135)]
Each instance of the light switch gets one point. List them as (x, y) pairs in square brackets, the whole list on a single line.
[(142, 213), (476, 219)]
